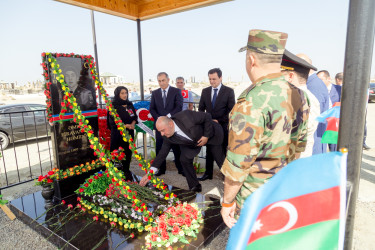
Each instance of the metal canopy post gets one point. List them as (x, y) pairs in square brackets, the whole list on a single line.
[(358, 53), (140, 59), (96, 53), (141, 89)]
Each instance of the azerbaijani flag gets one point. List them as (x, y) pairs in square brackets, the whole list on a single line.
[(332, 117), (301, 207)]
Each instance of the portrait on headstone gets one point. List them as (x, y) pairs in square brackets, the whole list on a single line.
[(72, 146)]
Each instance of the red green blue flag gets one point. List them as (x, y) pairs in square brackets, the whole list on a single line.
[(301, 207), (332, 118)]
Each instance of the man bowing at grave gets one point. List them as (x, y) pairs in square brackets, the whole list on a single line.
[(190, 130)]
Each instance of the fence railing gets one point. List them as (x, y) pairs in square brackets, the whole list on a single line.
[(25, 146)]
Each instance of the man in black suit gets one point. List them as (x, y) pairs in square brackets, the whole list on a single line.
[(218, 100), (166, 101), (190, 130)]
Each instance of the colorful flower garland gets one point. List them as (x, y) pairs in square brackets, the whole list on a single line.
[(99, 150)]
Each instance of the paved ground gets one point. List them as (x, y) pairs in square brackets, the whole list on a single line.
[(16, 235)]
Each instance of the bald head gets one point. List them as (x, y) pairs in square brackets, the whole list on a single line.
[(307, 59), (165, 126)]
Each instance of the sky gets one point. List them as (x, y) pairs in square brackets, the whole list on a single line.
[(185, 44)]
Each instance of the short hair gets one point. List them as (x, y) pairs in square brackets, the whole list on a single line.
[(339, 76), (215, 70), (266, 58), (302, 76), (325, 72), (180, 78), (163, 73), (163, 120)]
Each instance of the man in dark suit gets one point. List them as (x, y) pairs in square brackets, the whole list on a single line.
[(334, 92), (190, 130), (217, 100), (166, 101)]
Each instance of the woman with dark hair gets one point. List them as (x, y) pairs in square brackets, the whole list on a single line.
[(126, 111)]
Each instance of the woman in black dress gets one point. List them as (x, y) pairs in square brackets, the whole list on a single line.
[(126, 111)]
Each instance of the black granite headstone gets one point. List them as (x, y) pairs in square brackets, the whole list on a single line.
[(71, 146)]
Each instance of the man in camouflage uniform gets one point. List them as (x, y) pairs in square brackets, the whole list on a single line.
[(267, 125)]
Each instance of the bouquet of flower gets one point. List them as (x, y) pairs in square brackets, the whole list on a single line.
[(175, 224), (45, 179)]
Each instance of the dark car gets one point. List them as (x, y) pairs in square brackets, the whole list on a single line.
[(22, 121), (372, 92)]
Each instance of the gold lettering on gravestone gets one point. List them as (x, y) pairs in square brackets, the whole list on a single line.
[(73, 133)]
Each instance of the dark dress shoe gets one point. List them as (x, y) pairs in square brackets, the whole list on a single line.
[(205, 177), (197, 188), (365, 147), (159, 173)]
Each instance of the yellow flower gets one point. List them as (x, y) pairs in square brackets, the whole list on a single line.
[(110, 219), (101, 212), (120, 182), (115, 219), (63, 87), (76, 111), (120, 223), (105, 216), (60, 71), (132, 225), (126, 226), (55, 73)]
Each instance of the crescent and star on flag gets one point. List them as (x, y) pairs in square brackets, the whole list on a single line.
[(293, 216)]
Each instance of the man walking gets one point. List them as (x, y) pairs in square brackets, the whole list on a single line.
[(217, 100), (166, 101)]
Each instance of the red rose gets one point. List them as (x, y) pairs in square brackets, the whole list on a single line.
[(50, 172), (41, 177), (86, 185), (100, 175), (96, 177), (90, 180), (81, 190), (175, 230), (49, 181)]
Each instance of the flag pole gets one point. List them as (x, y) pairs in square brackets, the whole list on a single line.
[(358, 52)]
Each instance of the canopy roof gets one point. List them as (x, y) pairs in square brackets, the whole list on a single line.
[(141, 9)]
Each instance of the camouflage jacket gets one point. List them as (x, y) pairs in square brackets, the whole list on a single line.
[(267, 126)]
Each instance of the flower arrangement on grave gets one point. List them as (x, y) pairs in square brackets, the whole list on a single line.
[(46, 179), (104, 131), (175, 224), (111, 183)]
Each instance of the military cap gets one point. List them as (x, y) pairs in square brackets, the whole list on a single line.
[(266, 42), (295, 63)]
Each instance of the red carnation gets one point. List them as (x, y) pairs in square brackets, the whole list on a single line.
[(180, 221), (86, 185), (50, 172), (90, 180), (81, 190), (49, 181), (175, 230), (154, 237), (164, 235), (162, 226)]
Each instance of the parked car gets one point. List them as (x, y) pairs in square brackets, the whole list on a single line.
[(372, 92), (22, 121)]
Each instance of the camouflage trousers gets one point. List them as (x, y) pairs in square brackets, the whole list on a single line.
[(249, 186)]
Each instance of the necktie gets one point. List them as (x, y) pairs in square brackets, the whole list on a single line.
[(164, 98), (214, 98)]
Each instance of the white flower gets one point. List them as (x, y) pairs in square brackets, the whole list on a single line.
[(175, 240), (181, 233), (168, 244), (159, 245), (158, 239)]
